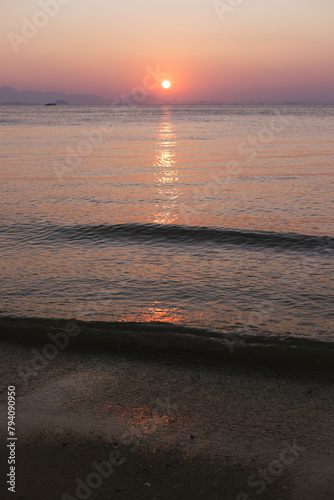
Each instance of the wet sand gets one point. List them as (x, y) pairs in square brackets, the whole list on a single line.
[(173, 428)]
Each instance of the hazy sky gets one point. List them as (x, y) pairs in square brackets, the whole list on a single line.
[(210, 49)]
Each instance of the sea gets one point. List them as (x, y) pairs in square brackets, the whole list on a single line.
[(202, 227)]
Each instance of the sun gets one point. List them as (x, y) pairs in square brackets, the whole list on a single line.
[(166, 84)]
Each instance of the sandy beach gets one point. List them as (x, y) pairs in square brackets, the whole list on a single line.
[(168, 427)]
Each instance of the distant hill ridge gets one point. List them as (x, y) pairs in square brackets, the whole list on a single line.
[(10, 95)]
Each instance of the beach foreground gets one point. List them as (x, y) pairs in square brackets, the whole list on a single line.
[(164, 427)]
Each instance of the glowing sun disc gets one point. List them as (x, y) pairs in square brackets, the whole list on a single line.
[(166, 84)]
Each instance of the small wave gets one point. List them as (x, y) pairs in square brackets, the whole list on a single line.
[(156, 233), (155, 337)]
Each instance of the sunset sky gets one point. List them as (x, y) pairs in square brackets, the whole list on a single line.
[(257, 50)]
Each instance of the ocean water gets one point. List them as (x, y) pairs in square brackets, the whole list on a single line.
[(210, 221)]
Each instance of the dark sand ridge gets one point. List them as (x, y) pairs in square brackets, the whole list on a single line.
[(190, 428)]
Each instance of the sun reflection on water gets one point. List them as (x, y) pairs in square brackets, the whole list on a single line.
[(166, 175), (156, 312)]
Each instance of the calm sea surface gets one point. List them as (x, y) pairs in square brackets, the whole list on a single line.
[(219, 217)]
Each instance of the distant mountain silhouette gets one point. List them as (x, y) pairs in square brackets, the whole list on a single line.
[(9, 95)]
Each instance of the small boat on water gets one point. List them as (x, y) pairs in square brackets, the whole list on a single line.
[(50, 104)]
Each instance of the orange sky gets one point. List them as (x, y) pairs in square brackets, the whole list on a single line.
[(260, 49)]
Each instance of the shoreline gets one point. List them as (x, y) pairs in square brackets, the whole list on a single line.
[(167, 339)]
